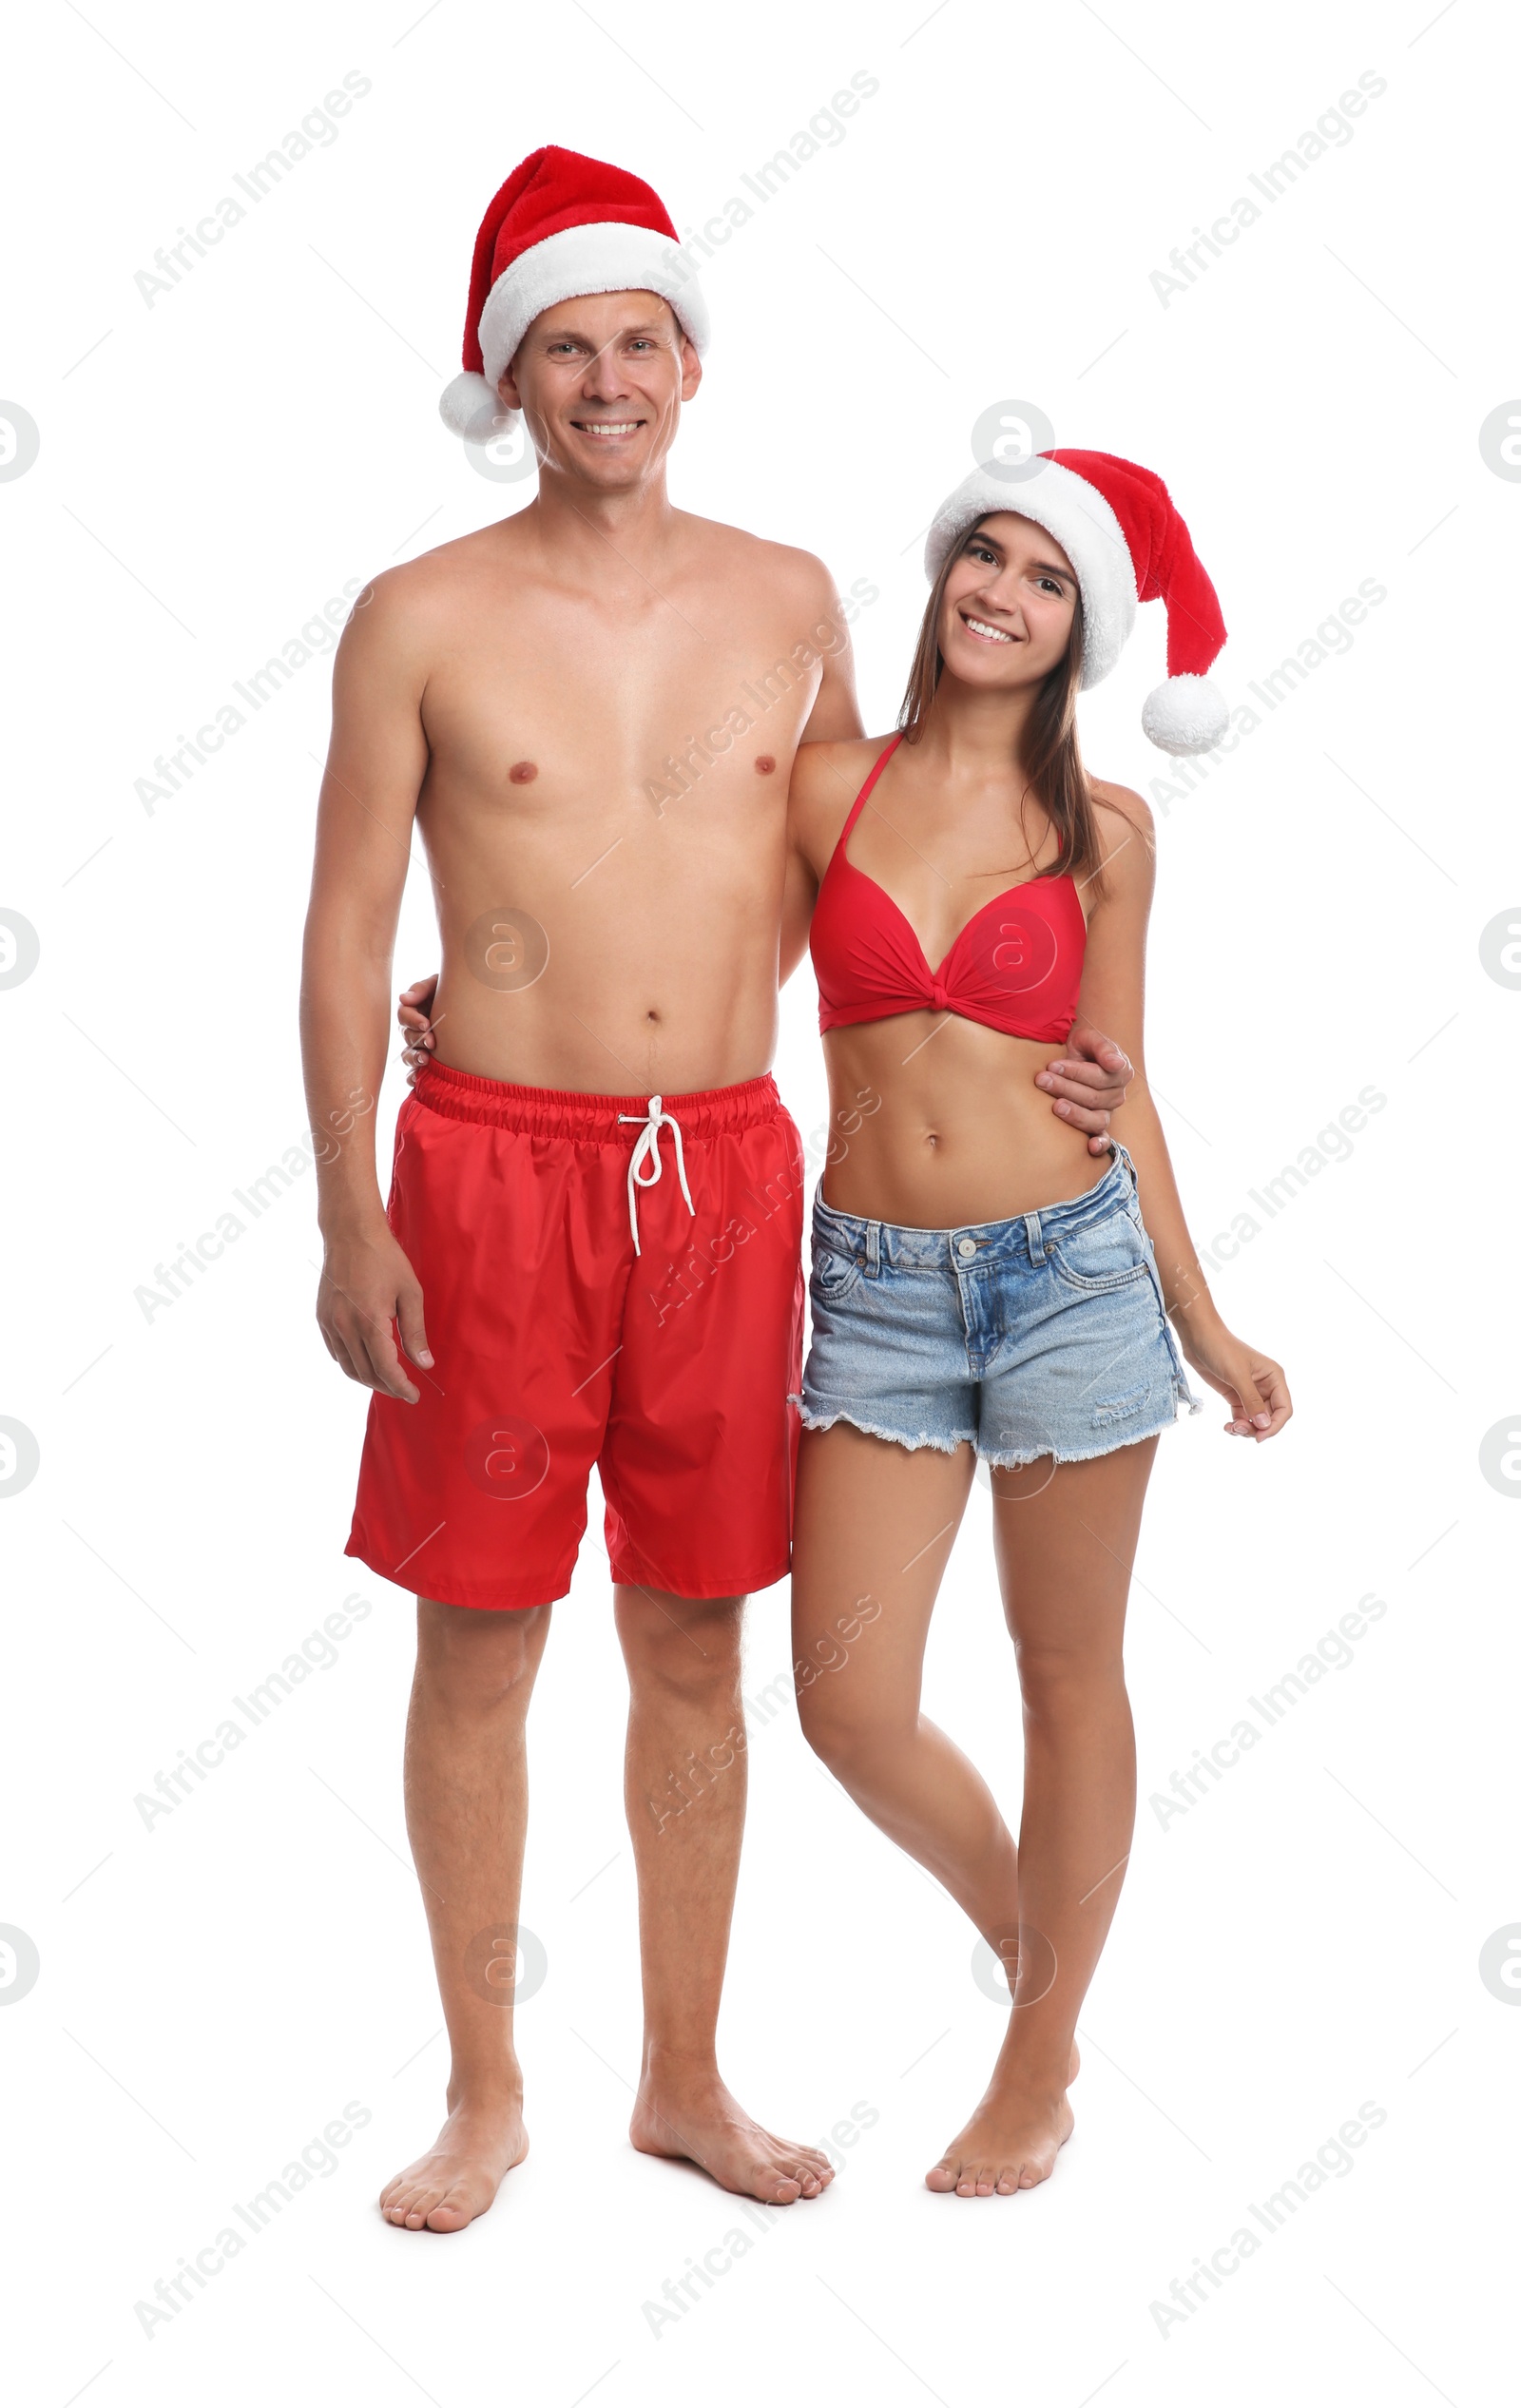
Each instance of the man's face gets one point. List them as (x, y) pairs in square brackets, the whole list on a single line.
[(600, 381)]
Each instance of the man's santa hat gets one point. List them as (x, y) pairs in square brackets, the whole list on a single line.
[(560, 225), (1118, 528)]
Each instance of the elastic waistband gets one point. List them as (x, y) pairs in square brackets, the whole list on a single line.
[(1023, 1237), (594, 1120)]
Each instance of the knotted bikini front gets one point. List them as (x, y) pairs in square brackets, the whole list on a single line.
[(1016, 966)]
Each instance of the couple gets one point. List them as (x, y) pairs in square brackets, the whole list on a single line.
[(629, 740)]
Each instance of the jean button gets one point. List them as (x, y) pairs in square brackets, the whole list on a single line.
[(966, 1248)]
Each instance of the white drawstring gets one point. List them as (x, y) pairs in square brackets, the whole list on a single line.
[(646, 1149)]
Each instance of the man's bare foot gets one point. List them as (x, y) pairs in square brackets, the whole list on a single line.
[(703, 2121), (459, 2176), (1010, 2142)]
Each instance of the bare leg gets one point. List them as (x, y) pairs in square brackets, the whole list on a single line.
[(1064, 1551), (467, 1810), (874, 1528), (875, 1523), (684, 1790)]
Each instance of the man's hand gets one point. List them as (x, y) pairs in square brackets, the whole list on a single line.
[(367, 1284), (414, 1010), (1089, 1082)]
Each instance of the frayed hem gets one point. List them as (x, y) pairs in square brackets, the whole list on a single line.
[(874, 1430), (1085, 1455)]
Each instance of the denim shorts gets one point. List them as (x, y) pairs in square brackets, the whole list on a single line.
[(1043, 1335)]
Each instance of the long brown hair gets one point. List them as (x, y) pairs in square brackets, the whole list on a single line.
[(1053, 764)]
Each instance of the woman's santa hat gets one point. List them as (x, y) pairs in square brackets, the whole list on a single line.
[(560, 225), (1118, 528)]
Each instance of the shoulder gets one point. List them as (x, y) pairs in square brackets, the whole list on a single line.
[(408, 615), (1127, 836), (830, 769), (783, 569), (1126, 832), (826, 779), (1121, 807)]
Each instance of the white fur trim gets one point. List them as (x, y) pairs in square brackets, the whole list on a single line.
[(1186, 715), (470, 408), (1085, 526), (586, 258)]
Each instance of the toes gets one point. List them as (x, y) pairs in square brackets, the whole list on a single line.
[(809, 2177), (452, 2210), (801, 2159), (777, 2186), (944, 2176), (1008, 2181)]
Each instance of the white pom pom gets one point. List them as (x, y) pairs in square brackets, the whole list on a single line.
[(1186, 715), (469, 407)]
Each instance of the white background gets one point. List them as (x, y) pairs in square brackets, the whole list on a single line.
[(1306, 1937)]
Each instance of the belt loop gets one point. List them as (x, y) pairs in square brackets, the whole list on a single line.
[(874, 1248), (1032, 1232)]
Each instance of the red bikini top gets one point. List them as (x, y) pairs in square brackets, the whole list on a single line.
[(1016, 966)]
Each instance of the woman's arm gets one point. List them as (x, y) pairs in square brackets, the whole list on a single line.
[(1113, 998)]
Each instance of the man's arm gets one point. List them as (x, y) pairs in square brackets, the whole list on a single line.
[(377, 762), (835, 719)]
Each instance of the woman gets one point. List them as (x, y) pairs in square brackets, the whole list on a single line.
[(983, 1286)]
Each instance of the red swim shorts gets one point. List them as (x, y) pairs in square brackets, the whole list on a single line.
[(579, 1313)]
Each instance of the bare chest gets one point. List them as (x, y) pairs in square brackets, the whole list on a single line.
[(553, 709)]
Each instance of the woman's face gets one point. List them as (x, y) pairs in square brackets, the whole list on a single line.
[(1006, 616)]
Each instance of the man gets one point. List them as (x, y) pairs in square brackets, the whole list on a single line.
[(593, 1247)]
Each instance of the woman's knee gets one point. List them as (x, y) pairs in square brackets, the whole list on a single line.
[(847, 1727), (1061, 1684)]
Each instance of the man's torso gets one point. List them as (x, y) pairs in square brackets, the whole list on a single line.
[(607, 855)]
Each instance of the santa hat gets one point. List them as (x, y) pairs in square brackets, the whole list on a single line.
[(559, 227), (1118, 528)]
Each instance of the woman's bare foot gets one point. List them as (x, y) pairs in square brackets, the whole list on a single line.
[(1010, 2142), (698, 2118), (458, 2179)]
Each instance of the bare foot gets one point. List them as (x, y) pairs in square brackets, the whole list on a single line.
[(1010, 2142), (458, 2177), (703, 2121)]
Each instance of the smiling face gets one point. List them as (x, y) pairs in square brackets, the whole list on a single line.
[(1007, 611), (600, 381)]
